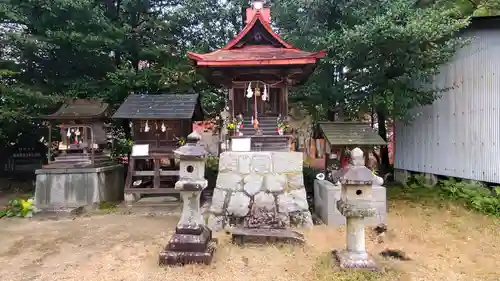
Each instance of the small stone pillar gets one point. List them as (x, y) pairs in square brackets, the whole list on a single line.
[(192, 241), (355, 204)]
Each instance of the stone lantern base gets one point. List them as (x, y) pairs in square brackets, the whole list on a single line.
[(189, 245), (352, 260)]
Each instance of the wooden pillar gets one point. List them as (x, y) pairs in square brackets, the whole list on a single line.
[(49, 152), (156, 169), (284, 104), (231, 101)]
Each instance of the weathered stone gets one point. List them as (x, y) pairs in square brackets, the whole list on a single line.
[(262, 218), (275, 182), (218, 198), (228, 162), (239, 204), (253, 184), (287, 162), (261, 163), (244, 164), (295, 181), (264, 201), (229, 181), (301, 219), (293, 201), (215, 223)]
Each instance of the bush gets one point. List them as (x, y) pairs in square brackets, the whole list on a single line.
[(309, 177), (475, 195), (211, 171)]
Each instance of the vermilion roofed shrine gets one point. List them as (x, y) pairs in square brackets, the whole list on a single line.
[(257, 67)]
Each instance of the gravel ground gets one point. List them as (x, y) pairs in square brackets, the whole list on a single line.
[(444, 244)]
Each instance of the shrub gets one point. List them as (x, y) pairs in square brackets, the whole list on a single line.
[(211, 171), (475, 195), (19, 208)]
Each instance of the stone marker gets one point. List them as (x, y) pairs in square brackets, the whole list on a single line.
[(192, 241), (355, 204)]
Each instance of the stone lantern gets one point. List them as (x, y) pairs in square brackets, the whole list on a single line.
[(192, 241), (355, 204)]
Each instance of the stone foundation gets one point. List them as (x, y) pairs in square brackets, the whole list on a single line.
[(68, 188), (259, 190)]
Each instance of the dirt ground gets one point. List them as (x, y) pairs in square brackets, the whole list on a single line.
[(444, 244)]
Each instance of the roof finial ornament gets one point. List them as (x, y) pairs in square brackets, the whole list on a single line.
[(258, 4)]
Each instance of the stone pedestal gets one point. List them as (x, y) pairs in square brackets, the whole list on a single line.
[(189, 244)]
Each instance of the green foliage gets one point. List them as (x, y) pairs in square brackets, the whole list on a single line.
[(309, 177), (211, 171), (473, 195), (379, 52), (18, 208)]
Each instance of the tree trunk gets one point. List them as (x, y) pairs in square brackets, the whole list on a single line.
[(382, 131)]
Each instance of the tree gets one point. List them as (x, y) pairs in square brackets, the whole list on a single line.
[(380, 53)]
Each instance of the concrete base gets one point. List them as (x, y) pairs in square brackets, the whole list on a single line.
[(58, 189), (326, 195), (352, 260)]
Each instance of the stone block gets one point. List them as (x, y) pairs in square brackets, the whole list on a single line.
[(229, 181), (275, 182), (287, 162), (264, 201), (244, 162), (295, 181), (218, 199), (228, 162), (327, 194), (261, 162), (293, 201), (253, 184), (239, 204)]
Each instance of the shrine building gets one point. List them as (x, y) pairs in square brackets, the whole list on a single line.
[(257, 68)]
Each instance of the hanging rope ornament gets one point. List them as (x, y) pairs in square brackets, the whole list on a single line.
[(264, 95), (163, 127), (146, 127), (68, 134), (249, 91)]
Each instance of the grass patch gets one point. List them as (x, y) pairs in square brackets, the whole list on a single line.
[(107, 207), (471, 195)]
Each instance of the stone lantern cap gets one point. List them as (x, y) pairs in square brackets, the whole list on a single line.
[(357, 173), (192, 149)]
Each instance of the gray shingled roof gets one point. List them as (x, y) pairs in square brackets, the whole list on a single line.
[(350, 133), (80, 109), (157, 106)]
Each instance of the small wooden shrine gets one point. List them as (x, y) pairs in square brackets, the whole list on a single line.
[(83, 136), (257, 68), (159, 124), (341, 137)]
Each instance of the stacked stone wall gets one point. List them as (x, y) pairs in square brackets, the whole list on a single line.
[(260, 190)]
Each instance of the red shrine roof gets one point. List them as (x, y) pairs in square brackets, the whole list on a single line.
[(241, 51)]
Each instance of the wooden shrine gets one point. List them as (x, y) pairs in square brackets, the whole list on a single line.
[(159, 124), (341, 137), (83, 135), (257, 68)]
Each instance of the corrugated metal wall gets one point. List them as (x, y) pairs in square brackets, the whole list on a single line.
[(459, 135)]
